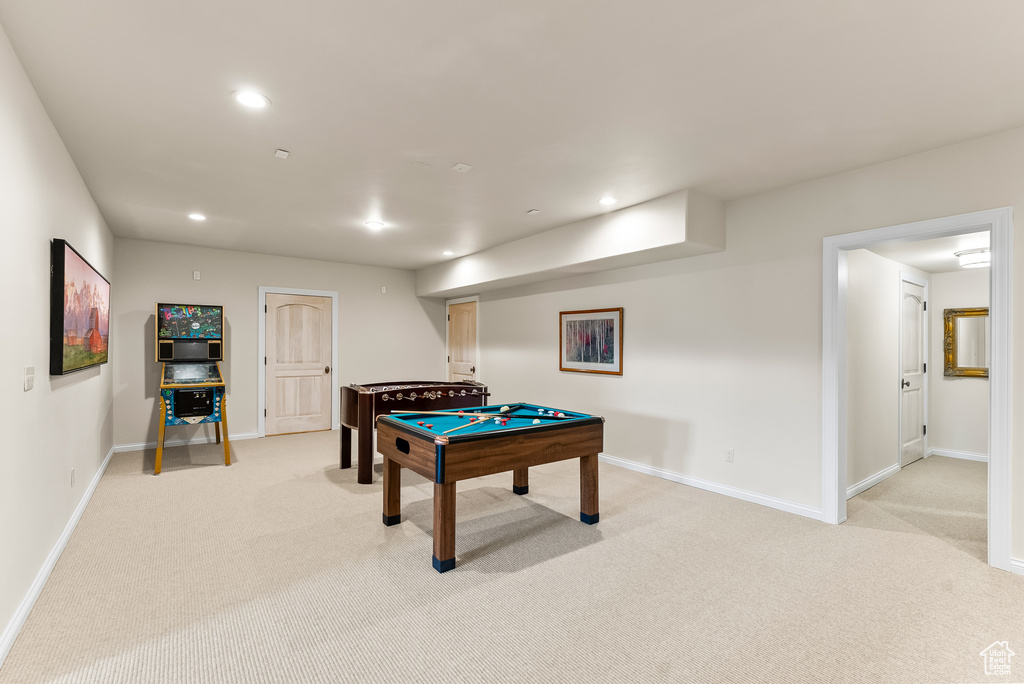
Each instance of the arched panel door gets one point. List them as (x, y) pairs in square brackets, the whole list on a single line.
[(912, 368), (298, 363)]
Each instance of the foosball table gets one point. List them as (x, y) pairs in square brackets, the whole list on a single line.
[(361, 404)]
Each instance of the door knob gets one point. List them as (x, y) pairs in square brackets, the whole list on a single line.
[(472, 369), (327, 369), (905, 383)]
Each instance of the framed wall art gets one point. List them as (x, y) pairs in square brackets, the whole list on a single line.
[(79, 311), (590, 341)]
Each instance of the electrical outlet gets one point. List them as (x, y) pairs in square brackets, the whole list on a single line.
[(383, 289), (195, 275), (730, 455)]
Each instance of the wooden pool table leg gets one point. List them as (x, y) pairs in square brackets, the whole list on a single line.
[(521, 480), (346, 447), (588, 489), (392, 492), (444, 526)]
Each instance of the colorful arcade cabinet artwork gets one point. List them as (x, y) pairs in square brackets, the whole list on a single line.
[(189, 344)]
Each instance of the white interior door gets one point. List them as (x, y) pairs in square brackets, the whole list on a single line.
[(462, 342), (912, 368), (298, 362)]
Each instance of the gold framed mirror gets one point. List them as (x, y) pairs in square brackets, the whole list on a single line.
[(965, 342)]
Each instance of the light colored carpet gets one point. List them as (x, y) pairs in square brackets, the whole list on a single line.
[(278, 569), (943, 497)]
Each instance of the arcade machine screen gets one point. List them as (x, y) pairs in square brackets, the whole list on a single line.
[(189, 322)]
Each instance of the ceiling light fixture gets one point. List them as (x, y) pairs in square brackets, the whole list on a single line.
[(374, 225), (608, 200), (448, 253), (974, 258), (197, 217), (250, 98)]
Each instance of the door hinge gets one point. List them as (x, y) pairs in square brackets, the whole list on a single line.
[(264, 413), (926, 306), (449, 359), (264, 308), (924, 429), (264, 360), (449, 317), (925, 368)]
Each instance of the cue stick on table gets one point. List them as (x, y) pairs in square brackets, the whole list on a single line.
[(445, 413), (476, 422)]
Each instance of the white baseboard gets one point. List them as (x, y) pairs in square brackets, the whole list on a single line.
[(10, 633), (1017, 566), (951, 453), (734, 492), (870, 482), (194, 441)]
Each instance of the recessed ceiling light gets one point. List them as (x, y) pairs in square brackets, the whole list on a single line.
[(197, 217), (462, 168), (374, 225), (608, 200), (250, 98), (448, 253), (282, 154)]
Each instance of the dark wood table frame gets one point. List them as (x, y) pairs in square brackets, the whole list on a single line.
[(361, 404), (446, 460)]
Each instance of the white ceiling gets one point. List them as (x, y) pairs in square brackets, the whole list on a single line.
[(937, 255), (554, 103)]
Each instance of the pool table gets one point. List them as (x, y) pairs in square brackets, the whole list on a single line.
[(447, 446)]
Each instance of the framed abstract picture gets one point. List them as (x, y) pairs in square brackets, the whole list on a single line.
[(590, 341), (79, 311)]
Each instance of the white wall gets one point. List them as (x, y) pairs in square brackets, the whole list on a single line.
[(724, 350), (873, 334), (65, 422), (383, 337), (958, 407)]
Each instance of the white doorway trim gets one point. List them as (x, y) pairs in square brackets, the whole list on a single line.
[(447, 304), (833, 434), (261, 374)]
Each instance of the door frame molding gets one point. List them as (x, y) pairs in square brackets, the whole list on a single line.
[(448, 303), (907, 277), (999, 223), (261, 370)]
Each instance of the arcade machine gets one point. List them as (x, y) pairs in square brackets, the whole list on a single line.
[(189, 344)]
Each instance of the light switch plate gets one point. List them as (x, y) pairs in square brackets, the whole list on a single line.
[(30, 377)]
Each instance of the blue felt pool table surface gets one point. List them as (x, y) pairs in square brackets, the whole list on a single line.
[(521, 417)]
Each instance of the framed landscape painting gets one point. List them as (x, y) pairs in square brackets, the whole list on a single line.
[(590, 341), (79, 311)]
